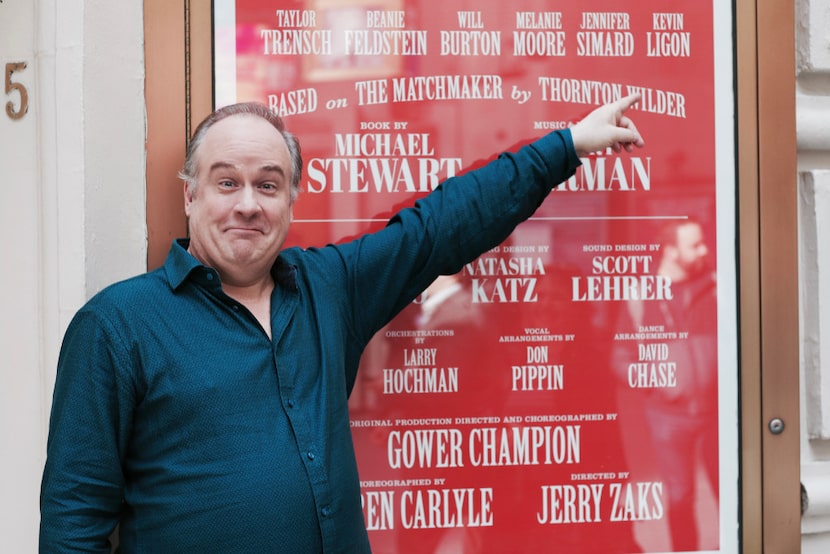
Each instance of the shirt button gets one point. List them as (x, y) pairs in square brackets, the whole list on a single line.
[(310, 455), (235, 308), (326, 511), (209, 276), (290, 403)]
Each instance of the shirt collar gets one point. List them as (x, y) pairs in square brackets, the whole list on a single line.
[(180, 264)]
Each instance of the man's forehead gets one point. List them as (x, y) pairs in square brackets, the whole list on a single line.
[(244, 124), (243, 136)]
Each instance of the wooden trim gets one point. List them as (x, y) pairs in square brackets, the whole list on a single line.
[(164, 52), (767, 212), (749, 297), (778, 202), (201, 61)]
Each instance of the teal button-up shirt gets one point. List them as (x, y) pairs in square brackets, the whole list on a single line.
[(176, 416)]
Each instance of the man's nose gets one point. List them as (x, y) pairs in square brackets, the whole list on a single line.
[(247, 202)]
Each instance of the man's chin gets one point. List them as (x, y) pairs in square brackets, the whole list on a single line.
[(250, 254)]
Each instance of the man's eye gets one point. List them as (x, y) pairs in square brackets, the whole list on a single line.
[(268, 186), (226, 184)]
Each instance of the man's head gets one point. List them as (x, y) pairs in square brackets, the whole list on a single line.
[(684, 250), (188, 172), (241, 178)]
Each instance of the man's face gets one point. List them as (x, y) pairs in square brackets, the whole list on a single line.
[(240, 209), (691, 249)]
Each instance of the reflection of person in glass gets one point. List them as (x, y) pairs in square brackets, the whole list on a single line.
[(679, 376), (443, 305)]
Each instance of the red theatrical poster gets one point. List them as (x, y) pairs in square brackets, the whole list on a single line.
[(574, 389)]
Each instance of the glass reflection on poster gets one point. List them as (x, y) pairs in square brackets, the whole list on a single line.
[(575, 388)]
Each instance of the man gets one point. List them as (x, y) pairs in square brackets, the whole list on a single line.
[(203, 405), (683, 417)]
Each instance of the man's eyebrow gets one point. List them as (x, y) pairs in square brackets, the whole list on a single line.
[(273, 168), (221, 165)]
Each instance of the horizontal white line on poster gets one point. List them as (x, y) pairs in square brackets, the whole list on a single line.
[(610, 217), (564, 218)]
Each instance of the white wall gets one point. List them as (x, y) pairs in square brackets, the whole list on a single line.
[(72, 209), (21, 377), (813, 130)]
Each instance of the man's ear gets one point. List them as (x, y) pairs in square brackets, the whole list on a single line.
[(188, 198)]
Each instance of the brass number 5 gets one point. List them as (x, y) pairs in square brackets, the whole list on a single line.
[(21, 90)]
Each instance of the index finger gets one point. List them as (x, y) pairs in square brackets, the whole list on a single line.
[(627, 101)]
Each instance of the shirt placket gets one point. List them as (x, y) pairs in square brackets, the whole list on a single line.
[(312, 450)]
